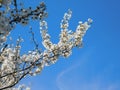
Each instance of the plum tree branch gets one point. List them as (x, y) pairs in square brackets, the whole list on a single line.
[(14, 66)]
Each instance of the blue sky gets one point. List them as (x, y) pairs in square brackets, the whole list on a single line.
[(96, 66)]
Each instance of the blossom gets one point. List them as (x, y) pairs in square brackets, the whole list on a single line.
[(13, 65), (5, 2)]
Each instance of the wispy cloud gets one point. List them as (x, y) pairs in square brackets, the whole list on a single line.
[(61, 84), (97, 83)]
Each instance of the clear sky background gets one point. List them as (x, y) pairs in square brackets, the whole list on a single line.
[(96, 66)]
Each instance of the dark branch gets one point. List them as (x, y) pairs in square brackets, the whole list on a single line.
[(41, 14), (15, 82), (15, 4)]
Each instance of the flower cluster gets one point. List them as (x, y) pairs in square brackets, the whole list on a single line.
[(68, 39), (4, 28), (20, 87), (12, 16), (14, 67), (5, 2)]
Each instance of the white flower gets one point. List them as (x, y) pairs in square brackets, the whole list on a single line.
[(38, 70), (86, 26), (90, 20), (27, 88), (6, 2)]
